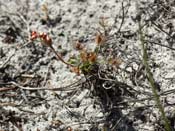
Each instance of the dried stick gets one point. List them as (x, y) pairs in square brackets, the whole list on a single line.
[(66, 88), (6, 89)]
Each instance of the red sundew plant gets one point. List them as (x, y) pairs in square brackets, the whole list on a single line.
[(83, 63)]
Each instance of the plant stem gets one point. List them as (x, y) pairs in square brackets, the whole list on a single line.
[(60, 58), (151, 79)]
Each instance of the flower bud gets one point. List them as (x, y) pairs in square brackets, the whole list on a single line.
[(33, 35)]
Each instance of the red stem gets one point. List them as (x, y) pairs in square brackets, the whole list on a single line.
[(59, 57)]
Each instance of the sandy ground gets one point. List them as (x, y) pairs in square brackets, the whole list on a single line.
[(82, 102)]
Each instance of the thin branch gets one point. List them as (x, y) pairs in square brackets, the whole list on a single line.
[(162, 30), (8, 59), (59, 57), (7, 89), (152, 42), (123, 18), (70, 87)]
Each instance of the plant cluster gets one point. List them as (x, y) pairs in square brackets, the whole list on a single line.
[(85, 61)]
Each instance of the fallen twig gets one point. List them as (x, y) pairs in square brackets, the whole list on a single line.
[(8, 104), (6, 89), (65, 88), (152, 42), (8, 59)]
